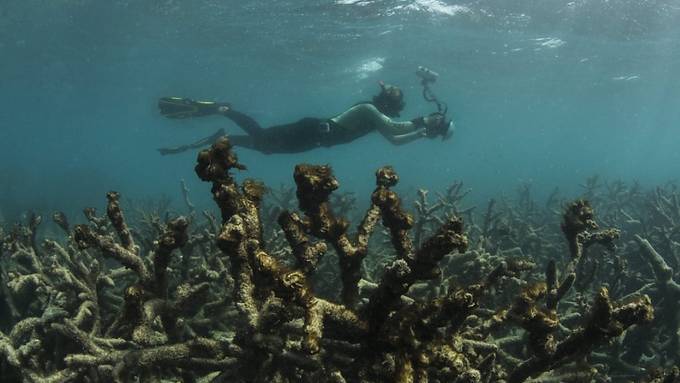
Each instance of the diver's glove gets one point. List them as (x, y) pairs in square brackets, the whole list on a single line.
[(178, 107)]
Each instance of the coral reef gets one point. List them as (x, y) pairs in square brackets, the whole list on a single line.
[(271, 293)]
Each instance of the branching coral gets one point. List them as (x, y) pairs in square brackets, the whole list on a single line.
[(233, 300), (78, 300)]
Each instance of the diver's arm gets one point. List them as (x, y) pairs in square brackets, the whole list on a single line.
[(369, 114), (401, 139), (387, 127)]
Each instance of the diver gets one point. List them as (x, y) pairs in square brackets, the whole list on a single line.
[(309, 133)]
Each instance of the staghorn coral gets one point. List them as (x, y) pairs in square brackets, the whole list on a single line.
[(76, 304), (235, 300)]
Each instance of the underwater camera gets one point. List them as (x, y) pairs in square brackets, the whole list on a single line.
[(426, 74)]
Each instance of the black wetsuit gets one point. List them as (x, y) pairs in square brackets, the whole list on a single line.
[(303, 135)]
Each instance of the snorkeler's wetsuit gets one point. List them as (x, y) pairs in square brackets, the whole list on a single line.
[(305, 134)]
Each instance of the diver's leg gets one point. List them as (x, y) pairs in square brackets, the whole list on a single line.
[(245, 122), (244, 141), (173, 150), (297, 137), (300, 136), (181, 107), (196, 145)]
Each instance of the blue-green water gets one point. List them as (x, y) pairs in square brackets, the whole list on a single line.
[(543, 91)]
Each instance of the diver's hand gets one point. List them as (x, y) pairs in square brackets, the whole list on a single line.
[(435, 125)]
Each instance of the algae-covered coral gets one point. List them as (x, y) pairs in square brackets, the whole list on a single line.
[(518, 293)]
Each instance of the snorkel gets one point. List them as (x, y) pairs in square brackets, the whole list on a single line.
[(428, 77)]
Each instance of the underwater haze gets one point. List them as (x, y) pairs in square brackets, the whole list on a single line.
[(546, 92), (540, 243)]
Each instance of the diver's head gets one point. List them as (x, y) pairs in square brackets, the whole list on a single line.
[(390, 100)]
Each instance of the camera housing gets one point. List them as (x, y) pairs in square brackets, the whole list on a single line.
[(426, 74)]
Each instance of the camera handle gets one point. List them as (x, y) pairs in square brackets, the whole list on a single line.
[(430, 97)]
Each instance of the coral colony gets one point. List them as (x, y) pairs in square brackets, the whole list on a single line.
[(271, 293)]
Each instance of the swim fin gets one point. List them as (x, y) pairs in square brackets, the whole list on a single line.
[(178, 107)]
